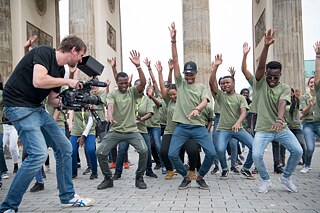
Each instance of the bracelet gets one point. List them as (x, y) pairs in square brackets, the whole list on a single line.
[(138, 67), (173, 41)]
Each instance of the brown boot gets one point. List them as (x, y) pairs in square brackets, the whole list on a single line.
[(192, 175), (169, 175)]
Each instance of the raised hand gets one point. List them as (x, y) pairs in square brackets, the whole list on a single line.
[(269, 37), (158, 67), (316, 47), (135, 58), (112, 61), (232, 71), (30, 41), (217, 60), (173, 32), (147, 62), (246, 48)]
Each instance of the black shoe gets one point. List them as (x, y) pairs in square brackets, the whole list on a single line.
[(0, 185), (239, 162), (79, 165), (106, 183), (151, 174), (87, 171), (247, 174), (224, 175), (140, 183), (215, 170), (235, 171), (278, 169), (93, 176), (116, 177), (37, 187), (74, 176), (202, 184), (157, 167), (15, 168), (185, 184)]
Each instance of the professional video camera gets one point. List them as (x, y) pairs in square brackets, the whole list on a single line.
[(78, 99)]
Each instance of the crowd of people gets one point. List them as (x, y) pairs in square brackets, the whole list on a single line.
[(162, 120)]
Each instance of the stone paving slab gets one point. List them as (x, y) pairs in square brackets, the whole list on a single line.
[(236, 194)]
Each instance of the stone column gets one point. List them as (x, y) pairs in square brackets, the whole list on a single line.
[(196, 34), (5, 40), (57, 23), (81, 22), (288, 45)]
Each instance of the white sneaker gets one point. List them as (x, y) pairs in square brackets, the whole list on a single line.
[(305, 169), (5, 176), (9, 211), (264, 187), (78, 201), (288, 184)]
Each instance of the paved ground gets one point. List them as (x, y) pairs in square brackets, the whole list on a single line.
[(233, 195)]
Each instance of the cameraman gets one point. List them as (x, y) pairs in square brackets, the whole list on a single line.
[(40, 74)]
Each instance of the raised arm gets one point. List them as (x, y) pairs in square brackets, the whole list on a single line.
[(213, 78), (135, 59), (170, 65), (317, 74), (153, 79), (28, 43), (163, 88), (232, 71), (268, 40), (174, 51), (113, 64), (245, 71)]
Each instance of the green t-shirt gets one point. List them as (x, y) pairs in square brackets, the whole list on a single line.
[(163, 113), (206, 114), (293, 121), (100, 109), (230, 109), (190, 96), (124, 110), (154, 121), (80, 121), (267, 104), (60, 120), (170, 125), (252, 81), (314, 113), (1, 111), (216, 108), (317, 88), (144, 106)]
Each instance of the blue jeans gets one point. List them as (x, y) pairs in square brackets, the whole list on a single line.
[(223, 137), (287, 139), (90, 147), (3, 165), (155, 137), (310, 129), (200, 134), (214, 133), (123, 149), (233, 144), (35, 131)]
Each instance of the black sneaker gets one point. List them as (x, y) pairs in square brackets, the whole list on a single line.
[(93, 176), (185, 184), (202, 184), (106, 183), (157, 167), (15, 168), (140, 182), (224, 175), (151, 174), (278, 169), (215, 170), (247, 174), (235, 171), (0, 185), (116, 177), (87, 171), (37, 187), (74, 176)]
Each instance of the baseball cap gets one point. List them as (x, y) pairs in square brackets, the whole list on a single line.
[(190, 67)]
